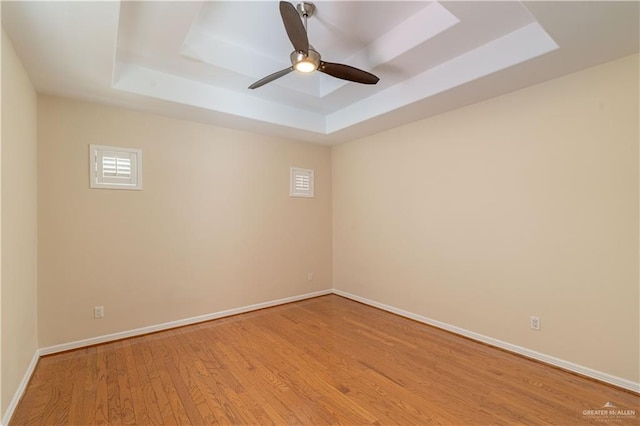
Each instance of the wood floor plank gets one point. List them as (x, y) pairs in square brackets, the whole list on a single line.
[(140, 411), (159, 355), (77, 395), (101, 406), (127, 410), (147, 389), (242, 371), (114, 390), (231, 388), (67, 390), (326, 360), (90, 383), (181, 389), (209, 410), (153, 374)]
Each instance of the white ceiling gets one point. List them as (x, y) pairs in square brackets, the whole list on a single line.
[(195, 60)]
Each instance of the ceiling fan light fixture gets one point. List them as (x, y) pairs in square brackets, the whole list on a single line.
[(305, 66), (305, 63)]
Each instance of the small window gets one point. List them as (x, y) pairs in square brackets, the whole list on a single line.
[(115, 168), (301, 182)]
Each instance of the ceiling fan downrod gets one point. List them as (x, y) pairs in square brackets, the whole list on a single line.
[(306, 10)]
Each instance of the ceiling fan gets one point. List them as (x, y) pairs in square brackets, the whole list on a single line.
[(305, 58)]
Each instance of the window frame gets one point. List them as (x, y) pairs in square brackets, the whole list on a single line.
[(293, 190), (96, 154)]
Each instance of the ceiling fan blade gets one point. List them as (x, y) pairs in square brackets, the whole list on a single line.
[(347, 72), (295, 29), (271, 77)]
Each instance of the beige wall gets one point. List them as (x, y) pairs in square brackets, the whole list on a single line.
[(18, 222), (213, 229), (526, 204)]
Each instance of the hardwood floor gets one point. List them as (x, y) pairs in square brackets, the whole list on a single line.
[(318, 361)]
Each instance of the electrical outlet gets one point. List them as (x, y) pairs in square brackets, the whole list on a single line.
[(310, 276), (534, 323), (98, 312)]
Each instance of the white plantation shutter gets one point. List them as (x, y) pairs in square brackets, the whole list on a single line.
[(115, 168), (301, 182)]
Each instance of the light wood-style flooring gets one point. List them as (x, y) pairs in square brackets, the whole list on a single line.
[(326, 360)]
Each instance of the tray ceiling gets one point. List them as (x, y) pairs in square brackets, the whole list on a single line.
[(195, 60)]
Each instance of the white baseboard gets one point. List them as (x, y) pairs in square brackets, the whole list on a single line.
[(547, 359), (178, 323), (21, 388)]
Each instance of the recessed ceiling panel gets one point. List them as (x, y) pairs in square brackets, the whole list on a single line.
[(417, 49), (196, 59)]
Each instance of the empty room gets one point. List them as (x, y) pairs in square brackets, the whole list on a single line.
[(327, 212)]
